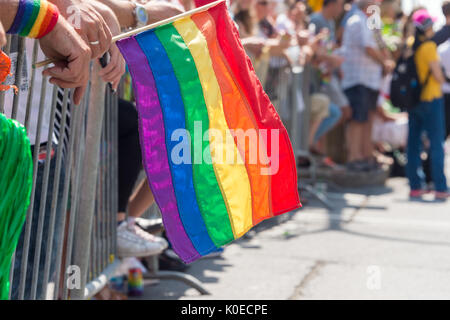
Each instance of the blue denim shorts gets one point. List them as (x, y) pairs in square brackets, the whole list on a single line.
[(362, 101)]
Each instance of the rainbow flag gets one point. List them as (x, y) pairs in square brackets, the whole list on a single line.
[(217, 157)]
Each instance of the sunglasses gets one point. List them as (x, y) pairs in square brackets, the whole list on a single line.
[(263, 3)]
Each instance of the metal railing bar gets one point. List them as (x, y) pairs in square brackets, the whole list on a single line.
[(107, 190), (40, 226), (18, 76), (108, 212), (95, 223), (31, 87), (107, 165), (11, 274), (55, 193), (26, 241), (116, 172), (74, 123), (100, 199), (89, 175), (79, 138)]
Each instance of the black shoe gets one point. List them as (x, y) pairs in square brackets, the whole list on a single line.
[(358, 166), (303, 162), (170, 263), (153, 226)]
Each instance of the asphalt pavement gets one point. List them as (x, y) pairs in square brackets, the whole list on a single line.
[(374, 244)]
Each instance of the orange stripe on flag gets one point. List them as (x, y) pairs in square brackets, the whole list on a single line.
[(238, 116)]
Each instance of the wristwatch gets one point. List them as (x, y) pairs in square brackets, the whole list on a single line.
[(140, 15)]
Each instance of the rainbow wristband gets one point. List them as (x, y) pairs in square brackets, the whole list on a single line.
[(34, 18)]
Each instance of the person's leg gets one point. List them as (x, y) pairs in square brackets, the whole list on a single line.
[(371, 100), (355, 132), (434, 126), (141, 200), (367, 141), (413, 167), (338, 97), (131, 240), (130, 157), (319, 110), (329, 122), (313, 128), (355, 129)]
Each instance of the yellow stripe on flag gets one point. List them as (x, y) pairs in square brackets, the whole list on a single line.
[(232, 176)]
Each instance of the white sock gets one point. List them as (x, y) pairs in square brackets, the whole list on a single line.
[(131, 221)]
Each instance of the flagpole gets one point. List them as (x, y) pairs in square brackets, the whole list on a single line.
[(166, 21), (147, 27)]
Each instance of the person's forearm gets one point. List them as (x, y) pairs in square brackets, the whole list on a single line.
[(121, 8), (187, 4), (64, 6), (123, 11), (8, 12), (436, 71), (16, 18), (159, 10)]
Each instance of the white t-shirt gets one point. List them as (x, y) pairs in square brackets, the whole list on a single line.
[(358, 68), (444, 53), (23, 92)]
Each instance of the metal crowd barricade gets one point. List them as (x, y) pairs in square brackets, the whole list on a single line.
[(295, 108), (68, 240), (299, 125)]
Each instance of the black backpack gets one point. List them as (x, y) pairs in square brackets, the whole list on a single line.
[(406, 88)]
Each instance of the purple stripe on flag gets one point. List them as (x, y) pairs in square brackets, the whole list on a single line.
[(154, 153)]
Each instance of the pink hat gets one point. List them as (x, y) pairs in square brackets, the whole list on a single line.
[(423, 20)]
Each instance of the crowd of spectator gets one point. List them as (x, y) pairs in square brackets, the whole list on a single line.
[(352, 48)]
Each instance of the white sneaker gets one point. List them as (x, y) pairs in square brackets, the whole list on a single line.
[(129, 244), (147, 236)]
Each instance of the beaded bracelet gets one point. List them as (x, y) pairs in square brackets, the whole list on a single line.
[(34, 18)]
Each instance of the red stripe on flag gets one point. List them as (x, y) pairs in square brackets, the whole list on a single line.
[(284, 189)]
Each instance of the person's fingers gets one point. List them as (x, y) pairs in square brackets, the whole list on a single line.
[(93, 43), (65, 74), (115, 84), (112, 76), (58, 67), (63, 83), (104, 36), (115, 74), (115, 68), (59, 71), (95, 39), (110, 66), (90, 33), (78, 94), (76, 72)]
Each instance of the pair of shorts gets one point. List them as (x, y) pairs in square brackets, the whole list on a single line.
[(319, 107), (362, 100)]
